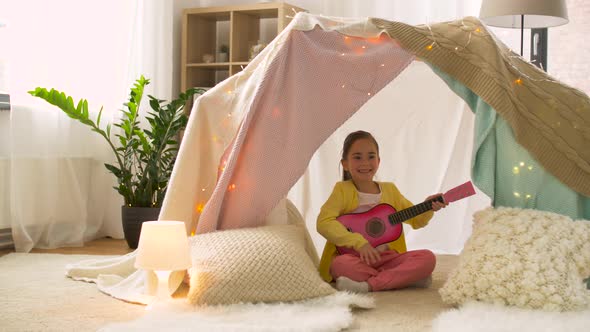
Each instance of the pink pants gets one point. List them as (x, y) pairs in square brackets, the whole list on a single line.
[(393, 271)]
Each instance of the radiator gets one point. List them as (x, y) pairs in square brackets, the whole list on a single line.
[(6, 241), (4, 101)]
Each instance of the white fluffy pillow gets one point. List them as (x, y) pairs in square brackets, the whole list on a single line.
[(526, 258), (262, 264)]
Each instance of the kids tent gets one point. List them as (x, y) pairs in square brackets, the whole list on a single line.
[(251, 137)]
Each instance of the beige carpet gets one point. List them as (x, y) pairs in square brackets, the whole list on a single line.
[(410, 309), (36, 296)]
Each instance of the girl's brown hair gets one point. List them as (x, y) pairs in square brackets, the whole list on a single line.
[(348, 141)]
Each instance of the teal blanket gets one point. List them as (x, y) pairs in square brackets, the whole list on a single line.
[(505, 171)]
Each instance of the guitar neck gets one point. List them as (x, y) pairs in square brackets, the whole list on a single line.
[(413, 211)]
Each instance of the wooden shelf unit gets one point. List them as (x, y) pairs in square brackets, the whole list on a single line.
[(205, 29)]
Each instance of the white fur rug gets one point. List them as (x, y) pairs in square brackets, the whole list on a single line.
[(483, 317), (330, 313)]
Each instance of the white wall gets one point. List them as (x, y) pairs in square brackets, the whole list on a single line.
[(568, 51)]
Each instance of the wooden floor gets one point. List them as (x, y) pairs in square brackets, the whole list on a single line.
[(104, 246)]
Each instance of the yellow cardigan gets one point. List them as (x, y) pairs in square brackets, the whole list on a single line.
[(344, 199)]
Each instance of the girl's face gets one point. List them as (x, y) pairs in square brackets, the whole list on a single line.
[(362, 160)]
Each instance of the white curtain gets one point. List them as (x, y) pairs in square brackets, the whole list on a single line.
[(55, 189)]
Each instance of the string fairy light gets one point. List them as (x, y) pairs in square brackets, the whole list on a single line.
[(223, 139), (521, 78), (518, 171)]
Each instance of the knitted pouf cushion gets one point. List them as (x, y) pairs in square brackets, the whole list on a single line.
[(525, 258), (262, 264)]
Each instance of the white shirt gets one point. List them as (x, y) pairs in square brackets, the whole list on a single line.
[(367, 201)]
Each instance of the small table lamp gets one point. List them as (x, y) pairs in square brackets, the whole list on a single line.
[(523, 14), (163, 247)]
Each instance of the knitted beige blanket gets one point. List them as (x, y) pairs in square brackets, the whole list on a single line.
[(550, 119)]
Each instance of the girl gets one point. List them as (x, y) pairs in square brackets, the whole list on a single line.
[(389, 266)]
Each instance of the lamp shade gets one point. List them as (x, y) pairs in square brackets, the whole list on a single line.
[(163, 245), (537, 13)]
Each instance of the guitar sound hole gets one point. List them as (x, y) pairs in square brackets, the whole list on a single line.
[(375, 227)]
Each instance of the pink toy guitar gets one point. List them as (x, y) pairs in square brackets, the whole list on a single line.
[(382, 223)]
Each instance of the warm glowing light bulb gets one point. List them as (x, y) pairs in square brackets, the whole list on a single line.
[(429, 47), (478, 30), (516, 170), (528, 196), (202, 189), (382, 65), (522, 163), (363, 46), (518, 81), (516, 194), (530, 168), (368, 93), (343, 85), (199, 207)]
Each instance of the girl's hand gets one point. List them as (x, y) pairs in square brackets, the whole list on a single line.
[(382, 248), (369, 254), (436, 205)]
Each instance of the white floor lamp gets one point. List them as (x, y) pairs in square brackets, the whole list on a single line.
[(523, 14)]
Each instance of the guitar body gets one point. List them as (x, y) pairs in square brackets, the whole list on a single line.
[(373, 225), (382, 223)]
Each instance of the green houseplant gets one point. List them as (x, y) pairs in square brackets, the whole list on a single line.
[(144, 156)]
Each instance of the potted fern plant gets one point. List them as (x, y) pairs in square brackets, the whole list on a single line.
[(144, 157)]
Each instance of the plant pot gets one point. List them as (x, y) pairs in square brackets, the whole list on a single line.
[(132, 218), (222, 57)]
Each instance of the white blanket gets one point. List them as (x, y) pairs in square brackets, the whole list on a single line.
[(118, 277)]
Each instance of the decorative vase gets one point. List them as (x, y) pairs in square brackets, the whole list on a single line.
[(132, 218), (208, 58)]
